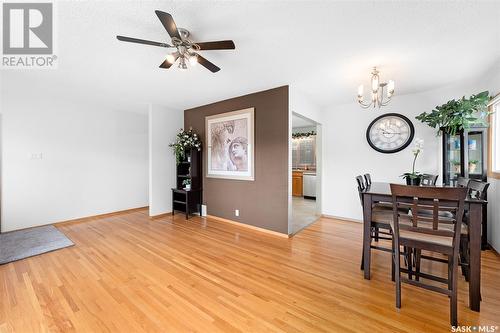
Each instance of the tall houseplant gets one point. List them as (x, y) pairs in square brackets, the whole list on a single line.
[(185, 141), (414, 178), (458, 115)]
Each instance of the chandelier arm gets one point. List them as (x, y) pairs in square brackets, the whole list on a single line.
[(364, 105), (387, 101)]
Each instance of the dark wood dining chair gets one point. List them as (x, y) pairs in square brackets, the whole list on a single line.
[(477, 190), (368, 179), (435, 234), (429, 180), (381, 216)]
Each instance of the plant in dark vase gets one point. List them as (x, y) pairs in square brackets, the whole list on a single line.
[(413, 177), (458, 115), (185, 142)]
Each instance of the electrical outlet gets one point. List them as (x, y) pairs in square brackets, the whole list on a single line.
[(237, 212)]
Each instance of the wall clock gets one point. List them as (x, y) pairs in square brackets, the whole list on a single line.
[(390, 133)]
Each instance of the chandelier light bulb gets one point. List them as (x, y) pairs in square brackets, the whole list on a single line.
[(375, 83), (361, 90), (390, 88)]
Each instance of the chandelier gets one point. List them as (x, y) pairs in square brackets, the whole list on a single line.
[(377, 92)]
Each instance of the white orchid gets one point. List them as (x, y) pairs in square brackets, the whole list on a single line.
[(186, 140), (418, 147)]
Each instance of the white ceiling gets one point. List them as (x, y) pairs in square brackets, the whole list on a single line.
[(298, 122), (325, 49)]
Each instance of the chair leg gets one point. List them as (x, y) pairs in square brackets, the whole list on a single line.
[(363, 258), (392, 262), (450, 273), (397, 275), (410, 263), (453, 298), (461, 252), (405, 255), (418, 253)]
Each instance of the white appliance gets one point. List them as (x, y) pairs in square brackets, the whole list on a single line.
[(309, 185)]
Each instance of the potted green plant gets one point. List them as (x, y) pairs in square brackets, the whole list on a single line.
[(414, 178), (473, 165), (458, 115), (187, 184), (185, 141)]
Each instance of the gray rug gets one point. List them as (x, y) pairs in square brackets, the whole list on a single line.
[(26, 243)]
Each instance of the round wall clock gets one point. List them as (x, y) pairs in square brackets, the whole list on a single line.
[(390, 133)]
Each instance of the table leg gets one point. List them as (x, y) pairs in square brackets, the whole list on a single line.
[(475, 220), (367, 218)]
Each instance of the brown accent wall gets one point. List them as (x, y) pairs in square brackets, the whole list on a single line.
[(264, 202)]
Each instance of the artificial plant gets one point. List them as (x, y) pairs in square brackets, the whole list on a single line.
[(457, 115), (185, 141)]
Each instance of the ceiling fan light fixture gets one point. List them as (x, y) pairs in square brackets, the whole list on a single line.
[(182, 63), (186, 50), (193, 60), (170, 58)]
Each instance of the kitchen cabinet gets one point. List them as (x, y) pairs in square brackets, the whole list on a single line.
[(297, 185)]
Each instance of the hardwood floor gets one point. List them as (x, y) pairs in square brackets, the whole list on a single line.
[(128, 273)]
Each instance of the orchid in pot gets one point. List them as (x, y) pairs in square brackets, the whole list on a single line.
[(414, 178), (185, 142)]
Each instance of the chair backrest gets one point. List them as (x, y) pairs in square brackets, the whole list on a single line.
[(368, 179), (361, 183), (434, 199), (477, 189), (462, 181), (428, 179), (361, 187)]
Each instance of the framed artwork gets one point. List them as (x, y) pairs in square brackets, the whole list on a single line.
[(230, 145)]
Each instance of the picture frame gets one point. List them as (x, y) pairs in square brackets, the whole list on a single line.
[(230, 145)]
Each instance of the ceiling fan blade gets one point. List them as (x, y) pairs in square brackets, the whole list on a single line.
[(217, 45), (207, 64), (141, 41), (169, 23), (167, 64)]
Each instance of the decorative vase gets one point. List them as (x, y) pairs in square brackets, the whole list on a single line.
[(189, 159), (413, 181), (187, 187), (472, 167)]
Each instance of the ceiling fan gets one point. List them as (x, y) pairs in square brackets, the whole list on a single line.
[(186, 49)]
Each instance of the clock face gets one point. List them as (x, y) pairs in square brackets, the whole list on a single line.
[(390, 133)]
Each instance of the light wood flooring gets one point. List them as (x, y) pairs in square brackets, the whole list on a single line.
[(128, 273), (303, 213)]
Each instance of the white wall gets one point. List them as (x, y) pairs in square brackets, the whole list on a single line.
[(491, 81), (164, 124), (94, 159), (347, 153), (302, 105)]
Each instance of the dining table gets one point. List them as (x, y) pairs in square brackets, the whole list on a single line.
[(381, 192)]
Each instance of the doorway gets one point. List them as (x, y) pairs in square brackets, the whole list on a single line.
[(306, 172)]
